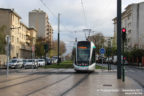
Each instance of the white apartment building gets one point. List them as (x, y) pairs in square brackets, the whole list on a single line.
[(108, 41), (133, 21), (39, 20)]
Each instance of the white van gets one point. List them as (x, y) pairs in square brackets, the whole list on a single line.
[(115, 60), (31, 63)]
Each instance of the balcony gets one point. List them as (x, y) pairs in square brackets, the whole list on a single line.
[(28, 41), (25, 47), (28, 34)]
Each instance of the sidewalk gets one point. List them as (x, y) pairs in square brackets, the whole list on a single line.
[(111, 86)]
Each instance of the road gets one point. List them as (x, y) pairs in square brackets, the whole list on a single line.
[(133, 72), (61, 82)]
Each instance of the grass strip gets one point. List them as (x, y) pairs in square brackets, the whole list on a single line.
[(67, 64)]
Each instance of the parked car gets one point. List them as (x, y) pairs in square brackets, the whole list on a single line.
[(16, 63), (48, 61), (109, 60), (31, 63), (41, 62), (24, 61), (54, 59)]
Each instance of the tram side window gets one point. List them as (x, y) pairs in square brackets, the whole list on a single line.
[(93, 56)]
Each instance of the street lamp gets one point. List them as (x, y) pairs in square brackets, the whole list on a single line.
[(8, 40), (58, 37), (12, 28)]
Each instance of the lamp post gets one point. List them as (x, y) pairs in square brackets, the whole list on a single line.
[(8, 40), (12, 28), (8, 50), (58, 36)]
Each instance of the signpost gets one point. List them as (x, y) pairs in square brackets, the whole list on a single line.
[(102, 51)]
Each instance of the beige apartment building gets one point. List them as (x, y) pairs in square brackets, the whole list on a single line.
[(22, 37), (39, 20), (133, 21), (108, 41)]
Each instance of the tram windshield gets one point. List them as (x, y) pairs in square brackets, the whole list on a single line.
[(83, 51)]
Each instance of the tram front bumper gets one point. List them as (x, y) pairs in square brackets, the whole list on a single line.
[(84, 68)]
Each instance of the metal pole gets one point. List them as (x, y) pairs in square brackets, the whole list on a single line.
[(119, 39), (58, 36), (45, 58), (102, 62), (8, 53), (123, 76), (108, 59)]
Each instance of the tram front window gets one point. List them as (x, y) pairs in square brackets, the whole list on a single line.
[(83, 54)]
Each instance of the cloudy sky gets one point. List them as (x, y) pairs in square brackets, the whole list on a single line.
[(98, 15)]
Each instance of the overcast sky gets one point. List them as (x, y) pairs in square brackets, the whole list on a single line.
[(98, 15)]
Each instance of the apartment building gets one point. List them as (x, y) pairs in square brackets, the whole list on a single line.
[(19, 33), (132, 20), (39, 20), (108, 41)]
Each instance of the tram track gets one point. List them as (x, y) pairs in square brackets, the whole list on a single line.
[(49, 85), (27, 75), (59, 81), (26, 81), (75, 85)]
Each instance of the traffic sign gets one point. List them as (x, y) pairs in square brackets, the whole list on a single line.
[(102, 51)]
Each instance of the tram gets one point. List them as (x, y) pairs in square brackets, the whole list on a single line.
[(84, 56)]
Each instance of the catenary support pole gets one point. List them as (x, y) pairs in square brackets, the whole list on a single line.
[(58, 36), (119, 39)]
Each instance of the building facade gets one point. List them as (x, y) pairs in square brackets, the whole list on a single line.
[(108, 41), (18, 32), (132, 20), (39, 20)]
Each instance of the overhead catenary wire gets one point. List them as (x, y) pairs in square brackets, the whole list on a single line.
[(55, 16), (84, 13), (48, 8), (51, 12)]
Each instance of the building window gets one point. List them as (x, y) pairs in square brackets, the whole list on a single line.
[(129, 25), (17, 40), (12, 38), (129, 16), (128, 40), (129, 32), (13, 17)]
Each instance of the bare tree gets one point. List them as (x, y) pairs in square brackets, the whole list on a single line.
[(54, 49)]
